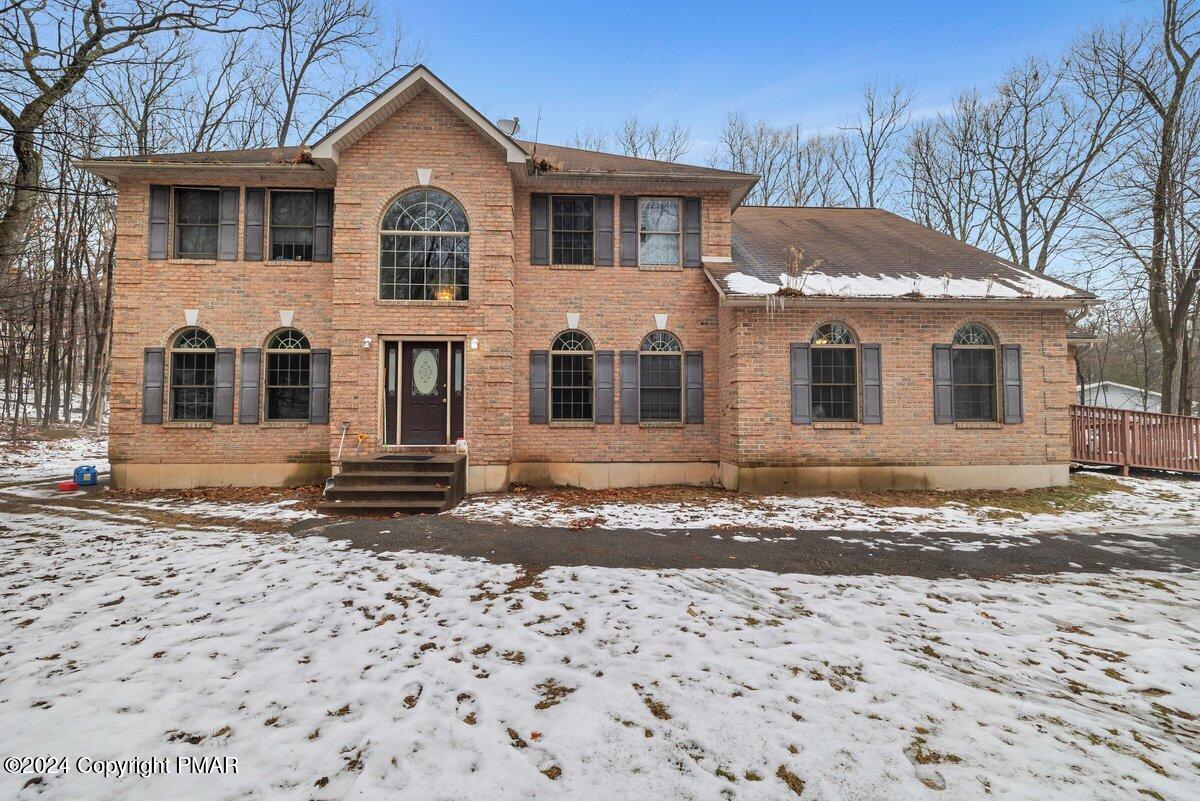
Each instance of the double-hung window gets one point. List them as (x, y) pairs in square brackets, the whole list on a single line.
[(834, 356), (660, 378), (973, 372), (572, 374), (193, 375), (288, 365), (197, 213), (292, 215), (572, 229), (660, 231)]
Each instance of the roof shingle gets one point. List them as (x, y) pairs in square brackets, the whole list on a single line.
[(867, 253)]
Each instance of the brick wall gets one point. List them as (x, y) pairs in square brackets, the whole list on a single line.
[(616, 307), (238, 304), (757, 416), (516, 307)]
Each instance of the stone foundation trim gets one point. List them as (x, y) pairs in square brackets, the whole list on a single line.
[(142, 475), (605, 475), (803, 479)]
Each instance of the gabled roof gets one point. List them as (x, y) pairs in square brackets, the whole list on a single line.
[(418, 79), (862, 254)]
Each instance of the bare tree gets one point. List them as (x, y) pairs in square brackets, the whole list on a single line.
[(1151, 210), (653, 140), (326, 54), (946, 173), (592, 139), (1050, 131), (756, 148), (47, 47), (812, 171), (867, 149)]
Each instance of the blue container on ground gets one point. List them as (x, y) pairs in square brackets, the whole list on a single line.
[(86, 475)]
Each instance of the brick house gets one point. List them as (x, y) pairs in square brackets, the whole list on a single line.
[(419, 276)]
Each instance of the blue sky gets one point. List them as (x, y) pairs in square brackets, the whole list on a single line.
[(590, 64)]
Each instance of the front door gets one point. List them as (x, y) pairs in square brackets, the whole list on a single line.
[(424, 409)]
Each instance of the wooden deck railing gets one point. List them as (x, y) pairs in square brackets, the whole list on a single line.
[(1129, 438)]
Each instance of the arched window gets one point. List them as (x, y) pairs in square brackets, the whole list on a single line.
[(572, 377), (287, 384), (834, 355), (973, 374), (660, 378), (193, 375), (423, 248)]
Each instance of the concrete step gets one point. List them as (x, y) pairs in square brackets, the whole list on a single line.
[(398, 477), (388, 466), (387, 492), (382, 507)]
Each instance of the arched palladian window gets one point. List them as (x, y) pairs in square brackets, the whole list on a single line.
[(834, 355), (423, 248), (660, 378), (973, 373), (289, 361), (193, 375), (572, 377)]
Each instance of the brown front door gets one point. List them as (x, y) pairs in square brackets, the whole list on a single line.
[(423, 394)]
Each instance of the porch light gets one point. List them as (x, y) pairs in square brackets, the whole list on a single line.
[(366, 343)]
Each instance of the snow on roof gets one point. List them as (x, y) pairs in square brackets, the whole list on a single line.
[(899, 285)]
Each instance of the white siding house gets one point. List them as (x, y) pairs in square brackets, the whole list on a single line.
[(1119, 396)]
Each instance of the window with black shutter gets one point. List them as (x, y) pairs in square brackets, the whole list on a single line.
[(834, 376), (660, 374), (572, 229), (197, 220), (973, 373), (289, 360), (193, 375), (292, 215), (572, 377)]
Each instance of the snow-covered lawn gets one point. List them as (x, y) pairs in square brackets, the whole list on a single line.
[(332, 673), (52, 458), (1132, 502)]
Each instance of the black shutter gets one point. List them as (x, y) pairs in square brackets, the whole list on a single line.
[(227, 229), (160, 215), (223, 380), (872, 380), (1011, 360), (604, 384), (252, 247), (318, 386), (693, 382), (539, 386), (539, 229), (691, 232), (604, 230), (248, 396), (152, 385), (629, 233), (630, 412), (323, 226), (801, 384), (943, 385)]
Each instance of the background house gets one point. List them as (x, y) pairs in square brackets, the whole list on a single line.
[(1112, 395)]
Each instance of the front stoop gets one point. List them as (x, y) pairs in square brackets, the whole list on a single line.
[(425, 483)]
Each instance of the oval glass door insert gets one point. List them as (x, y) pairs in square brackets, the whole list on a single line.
[(425, 371)]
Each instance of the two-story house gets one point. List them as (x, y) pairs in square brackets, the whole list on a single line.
[(420, 277)]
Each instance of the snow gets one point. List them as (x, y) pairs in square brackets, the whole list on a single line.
[(1017, 284), (1133, 502), (334, 673), (52, 459)]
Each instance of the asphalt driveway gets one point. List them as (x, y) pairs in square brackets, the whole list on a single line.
[(928, 555)]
